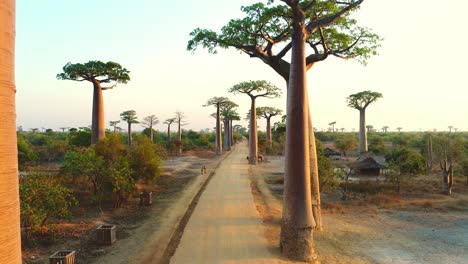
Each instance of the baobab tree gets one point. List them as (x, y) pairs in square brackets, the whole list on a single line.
[(325, 24), (10, 245), (361, 101), (217, 102), (149, 122), (255, 89), (98, 73), (114, 124), (328, 30), (131, 118), (332, 124), (179, 120), (399, 129), (369, 128), (228, 113), (63, 129), (231, 116), (385, 129), (268, 112), (169, 122), (450, 129)]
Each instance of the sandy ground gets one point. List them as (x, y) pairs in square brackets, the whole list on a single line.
[(147, 242), (371, 235), (225, 226)]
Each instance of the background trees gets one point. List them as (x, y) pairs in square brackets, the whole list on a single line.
[(268, 112), (255, 89), (217, 102), (361, 101), (149, 122), (179, 120), (98, 73), (131, 118)]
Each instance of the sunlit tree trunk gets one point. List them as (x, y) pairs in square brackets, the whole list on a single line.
[(151, 134), (268, 132), (179, 140), (226, 135), (219, 148), (97, 125), (314, 175), (169, 134), (362, 132), (253, 152), (231, 134), (10, 238), (129, 133), (297, 224)]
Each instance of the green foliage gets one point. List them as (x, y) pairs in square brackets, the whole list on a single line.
[(346, 142), (144, 161), (271, 26), (362, 100), (25, 152), (405, 161), (80, 138), (256, 89), (43, 197), (376, 144), (328, 177), (95, 70)]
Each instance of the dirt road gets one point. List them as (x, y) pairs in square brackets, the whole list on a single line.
[(225, 226)]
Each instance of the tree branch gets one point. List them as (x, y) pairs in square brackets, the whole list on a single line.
[(312, 26)]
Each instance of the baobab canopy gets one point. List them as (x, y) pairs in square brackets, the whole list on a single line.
[(103, 72), (270, 26), (363, 99)]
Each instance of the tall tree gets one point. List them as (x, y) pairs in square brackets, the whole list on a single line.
[(179, 120), (385, 129), (228, 113), (10, 241), (169, 122), (399, 129), (98, 73), (369, 128), (231, 116), (329, 30), (217, 102), (149, 122), (361, 101), (332, 124), (114, 124), (255, 89), (268, 112), (131, 118)]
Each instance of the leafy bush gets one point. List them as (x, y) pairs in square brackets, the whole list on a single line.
[(43, 197)]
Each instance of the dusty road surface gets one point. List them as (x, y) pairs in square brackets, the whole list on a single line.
[(225, 226)]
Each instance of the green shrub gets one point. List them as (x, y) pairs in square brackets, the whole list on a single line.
[(42, 198)]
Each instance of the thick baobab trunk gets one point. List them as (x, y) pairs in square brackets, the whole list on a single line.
[(314, 175), (447, 177), (253, 152), (297, 224), (219, 148), (362, 132), (226, 135), (97, 125), (169, 134), (179, 140), (10, 238), (268, 132), (231, 134), (129, 133), (151, 134)]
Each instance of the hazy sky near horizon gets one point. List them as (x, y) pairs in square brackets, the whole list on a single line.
[(420, 70)]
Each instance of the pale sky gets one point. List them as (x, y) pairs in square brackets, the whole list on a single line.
[(420, 70)]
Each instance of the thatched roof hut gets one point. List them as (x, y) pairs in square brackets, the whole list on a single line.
[(367, 166), (329, 152)]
